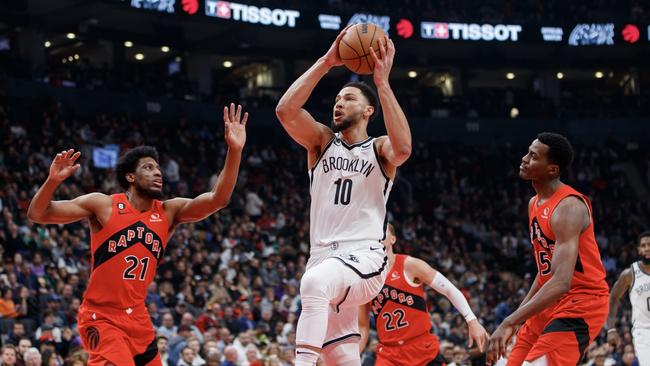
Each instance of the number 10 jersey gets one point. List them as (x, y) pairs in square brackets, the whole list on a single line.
[(349, 189)]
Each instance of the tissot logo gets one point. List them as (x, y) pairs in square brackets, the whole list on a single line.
[(470, 32), (251, 14)]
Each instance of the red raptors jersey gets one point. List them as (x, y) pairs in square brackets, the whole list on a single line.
[(589, 273), (125, 254), (400, 309)]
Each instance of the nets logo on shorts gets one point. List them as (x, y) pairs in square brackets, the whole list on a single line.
[(352, 258), (92, 338)]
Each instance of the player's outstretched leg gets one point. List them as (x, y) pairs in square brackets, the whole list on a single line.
[(316, 290)]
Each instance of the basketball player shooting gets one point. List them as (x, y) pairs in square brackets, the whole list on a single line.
[(402, 317), (351, 175), (636, 280), (129, 233), (566, 306)]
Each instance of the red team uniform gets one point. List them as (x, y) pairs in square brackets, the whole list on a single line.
[(403, 324), (114, 323), (563, 331)]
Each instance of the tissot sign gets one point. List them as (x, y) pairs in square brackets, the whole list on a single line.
[(470, 31), (404, 29), (251, 14)]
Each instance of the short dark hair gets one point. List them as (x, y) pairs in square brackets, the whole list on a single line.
[(560, 151), (129, 161), (370, 95), (162, 337), (644, 234)]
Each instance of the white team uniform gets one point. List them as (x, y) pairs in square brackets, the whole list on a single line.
[(640, 300), (349, 190)]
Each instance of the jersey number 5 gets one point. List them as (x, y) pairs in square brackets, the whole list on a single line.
[(133, 264), (544, 263), (343, 191), (398, 315)]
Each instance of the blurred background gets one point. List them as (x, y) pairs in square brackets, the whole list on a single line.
[(477, 80)]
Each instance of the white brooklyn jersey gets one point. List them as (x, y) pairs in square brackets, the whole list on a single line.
[(640, 298), (349, 189)]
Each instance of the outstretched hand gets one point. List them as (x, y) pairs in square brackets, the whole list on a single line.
[(477, 335), (64, 165), (235, 126), (498, 342), (383, 61)]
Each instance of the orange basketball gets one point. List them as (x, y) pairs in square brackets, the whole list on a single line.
[(354, 48)]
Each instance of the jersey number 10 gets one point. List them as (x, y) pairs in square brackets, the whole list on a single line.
[(343, 191)]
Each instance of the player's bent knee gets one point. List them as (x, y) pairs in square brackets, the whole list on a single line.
[(320, 281), (541, 361), (312, 285)]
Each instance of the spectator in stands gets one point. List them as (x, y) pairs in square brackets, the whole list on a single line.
[(32, 357), (179, 342), (48, 329), (163, 343), (188, 320), (194, 344), (8, 355), (230, 356), (17, 333), (8, 308), (254, 205), (187, 357), (213, 358), (23, 345), (167, 328)]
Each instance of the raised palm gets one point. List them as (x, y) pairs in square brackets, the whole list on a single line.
[(64, 165), (235, 126)]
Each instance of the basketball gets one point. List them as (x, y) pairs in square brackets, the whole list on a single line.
[(354, 48)]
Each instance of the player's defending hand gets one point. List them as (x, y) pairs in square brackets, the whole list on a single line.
[(478, 335), (64, 165), (332, 57), (235, 126), (383, 65), (498, 342)]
